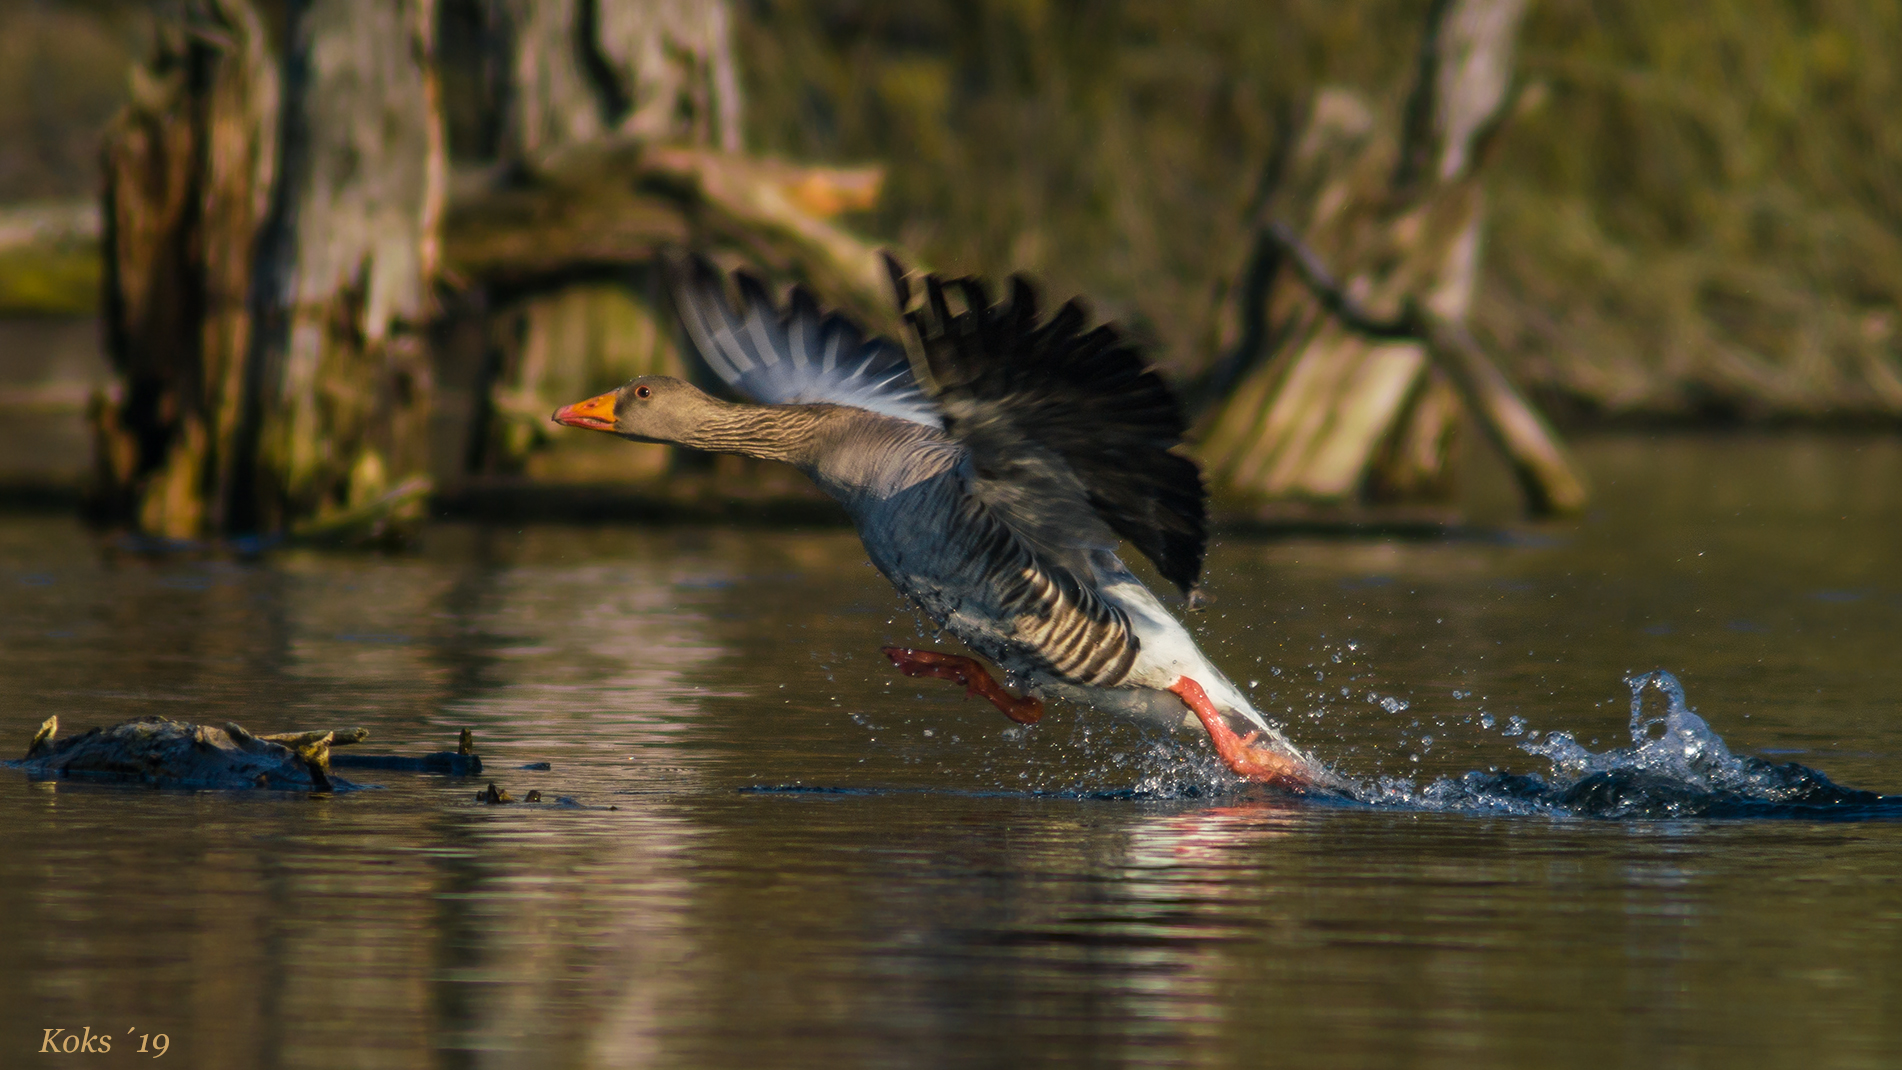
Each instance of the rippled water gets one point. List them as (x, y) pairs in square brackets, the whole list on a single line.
[(785, 855)]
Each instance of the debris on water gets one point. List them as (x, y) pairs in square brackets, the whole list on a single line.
[(447, 762), (463, 761), (535, 767), (495, 796), (162, 752)]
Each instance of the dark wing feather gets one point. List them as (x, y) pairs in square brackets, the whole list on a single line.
[(1037, 403)]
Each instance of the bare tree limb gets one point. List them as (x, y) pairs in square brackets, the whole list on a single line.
[(1320, 282), (1546, 475)]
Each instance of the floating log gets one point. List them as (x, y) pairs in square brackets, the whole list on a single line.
[(173, 754)]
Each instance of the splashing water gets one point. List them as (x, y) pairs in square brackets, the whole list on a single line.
[(1676, 766)]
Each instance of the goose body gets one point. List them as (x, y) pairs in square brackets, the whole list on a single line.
[(995, 498)]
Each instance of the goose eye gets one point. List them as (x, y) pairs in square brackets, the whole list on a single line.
[(643, 392)]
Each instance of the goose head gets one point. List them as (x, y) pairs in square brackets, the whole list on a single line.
[(653, 408)]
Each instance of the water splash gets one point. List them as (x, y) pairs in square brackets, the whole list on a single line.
[(1676, 766)]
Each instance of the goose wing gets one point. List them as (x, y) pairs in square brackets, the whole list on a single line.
[(1071, 435), (798, 355)]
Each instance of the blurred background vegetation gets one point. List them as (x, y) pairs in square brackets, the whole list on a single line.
[(1696, 214)]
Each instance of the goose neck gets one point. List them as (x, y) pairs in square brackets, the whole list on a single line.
[(790, 433)]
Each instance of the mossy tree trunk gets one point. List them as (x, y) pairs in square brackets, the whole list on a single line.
[(189, 168), (273, 237), (1332, 416)]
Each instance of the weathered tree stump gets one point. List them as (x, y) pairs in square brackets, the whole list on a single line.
[(189, 169), (272, 237), (1317, 408)]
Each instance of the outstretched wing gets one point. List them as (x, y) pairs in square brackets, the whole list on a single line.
[(1045, 407), (796, 356)]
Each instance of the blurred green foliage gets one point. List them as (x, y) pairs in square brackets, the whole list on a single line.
[(60, 281), (62, 77), (1697, 215), (1111, 148), (1706, 215)]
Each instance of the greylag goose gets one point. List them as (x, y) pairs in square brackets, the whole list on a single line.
[(992, 487)]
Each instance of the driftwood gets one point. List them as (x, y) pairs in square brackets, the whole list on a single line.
[(463, 761), (1306, 405)]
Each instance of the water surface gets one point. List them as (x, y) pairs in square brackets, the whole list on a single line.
[(943, 887)]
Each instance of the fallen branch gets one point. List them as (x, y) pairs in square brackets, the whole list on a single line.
[(338, 738), (620, 202)]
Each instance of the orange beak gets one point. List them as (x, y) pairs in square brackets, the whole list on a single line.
[(595, 414)]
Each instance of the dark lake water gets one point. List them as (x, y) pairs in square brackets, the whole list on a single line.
[(977, 893)]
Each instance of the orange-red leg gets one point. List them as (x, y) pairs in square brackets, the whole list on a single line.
[(976, 679), (1239, 752)]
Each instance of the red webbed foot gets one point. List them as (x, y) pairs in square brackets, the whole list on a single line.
[(1239, 753), (977, 680)]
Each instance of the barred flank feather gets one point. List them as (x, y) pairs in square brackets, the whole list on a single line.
[(1081, 638)]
